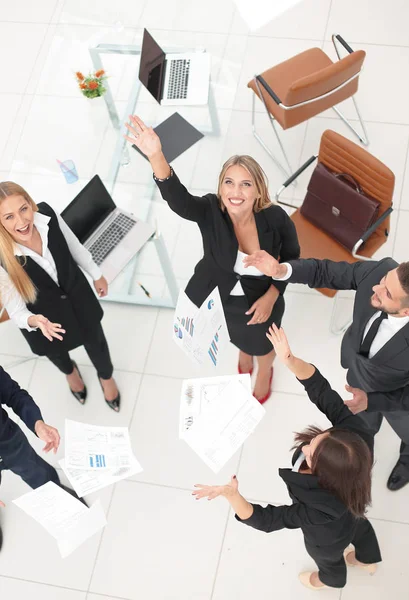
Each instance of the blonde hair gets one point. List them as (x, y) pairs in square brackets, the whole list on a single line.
[(8, 260), (257, 174)]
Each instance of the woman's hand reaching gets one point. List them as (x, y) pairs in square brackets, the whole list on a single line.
[(144, 138), (279, 340), (213, 491), (48, 329)]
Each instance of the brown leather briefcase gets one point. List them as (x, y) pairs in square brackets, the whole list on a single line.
[(336, 204)]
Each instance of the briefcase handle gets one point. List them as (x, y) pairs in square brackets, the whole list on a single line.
[(349, 178)]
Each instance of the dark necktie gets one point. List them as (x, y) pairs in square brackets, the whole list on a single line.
[(370, 336)]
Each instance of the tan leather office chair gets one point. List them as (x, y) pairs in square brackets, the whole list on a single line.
[(304, 86), (340, 155)]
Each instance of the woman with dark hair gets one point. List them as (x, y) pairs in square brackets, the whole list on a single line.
[(329, 484), (234, 223)]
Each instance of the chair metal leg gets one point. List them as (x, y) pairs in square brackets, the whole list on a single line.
[(333, 328), (262, 143), (363, 138)]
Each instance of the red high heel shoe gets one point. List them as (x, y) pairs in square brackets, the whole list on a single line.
[(242, 372), (267, 396)]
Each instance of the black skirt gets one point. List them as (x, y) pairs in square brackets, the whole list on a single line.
[(250, 339)]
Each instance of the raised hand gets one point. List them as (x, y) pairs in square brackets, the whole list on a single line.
[(48, 329), (359, 400), (267, 264), (279, 340), (143, 137), (49, 435), (213, 491)]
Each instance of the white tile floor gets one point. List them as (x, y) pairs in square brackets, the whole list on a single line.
[(159, 544)]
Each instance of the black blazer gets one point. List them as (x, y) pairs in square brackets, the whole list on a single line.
[(323, 518), (385, 376), (71, 303), (276, 232), (22, 404)]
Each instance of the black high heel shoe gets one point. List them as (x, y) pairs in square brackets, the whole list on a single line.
[(82, 395), (115, 403)]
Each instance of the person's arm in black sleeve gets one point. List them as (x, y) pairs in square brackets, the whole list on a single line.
[(273, 518), (19, 400), (389, 401), (182, 202), (329, 274), (327, 400), (290, 248)]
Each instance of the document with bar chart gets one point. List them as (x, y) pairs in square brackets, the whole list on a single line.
[(200, 332)]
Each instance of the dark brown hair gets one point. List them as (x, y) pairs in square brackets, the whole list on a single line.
[(343, 464), (403, 276)]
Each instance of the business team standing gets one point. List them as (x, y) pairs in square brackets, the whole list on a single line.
[(46, 294), (375, 348), (237, 221)]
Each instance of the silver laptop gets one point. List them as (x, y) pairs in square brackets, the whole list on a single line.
[(174, 79), (112, 235)]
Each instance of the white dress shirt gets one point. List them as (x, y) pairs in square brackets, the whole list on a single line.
[(387, 328), (240, 269), (11, 299)]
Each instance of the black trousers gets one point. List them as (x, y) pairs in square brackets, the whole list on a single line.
[(17, 455), (98, 353), (399, 421), (332, 569)]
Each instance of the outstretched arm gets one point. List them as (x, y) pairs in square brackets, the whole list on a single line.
[(317, 387), (187, 206)]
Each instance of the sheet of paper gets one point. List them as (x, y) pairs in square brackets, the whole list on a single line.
[(88, 481), (96, 447), (257, 13), (201, 332), (64, 517), (224, 426), (198, 394)]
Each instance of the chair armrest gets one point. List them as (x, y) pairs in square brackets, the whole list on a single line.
[(268, 89), (292, 177), (340, 39), (368, 233)]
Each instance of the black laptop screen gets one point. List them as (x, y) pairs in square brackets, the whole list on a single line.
[(87, 211), (152, 66)]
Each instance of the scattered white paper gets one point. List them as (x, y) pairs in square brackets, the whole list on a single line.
[(197, 394), (64, 517), (223, 427), (257, 13), (97, 447), (88, 481), (201, 332)]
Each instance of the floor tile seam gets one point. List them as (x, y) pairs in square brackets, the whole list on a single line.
[(50, 26), (388, 520), (327, 23), (22, 96), (84, 364), (216, 573), (52, 585), (100, 542), (148, 350), (105, 596)]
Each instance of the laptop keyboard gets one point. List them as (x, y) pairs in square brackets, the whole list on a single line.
[(110, 238), (178, 79)]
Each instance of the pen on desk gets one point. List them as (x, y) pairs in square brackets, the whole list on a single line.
[(144, 289)]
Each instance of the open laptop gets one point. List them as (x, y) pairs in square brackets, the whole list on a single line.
[(112, 235), (174, 79)]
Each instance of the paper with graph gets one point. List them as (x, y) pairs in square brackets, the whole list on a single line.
[(200, 332), (216, 417), (97, 447)]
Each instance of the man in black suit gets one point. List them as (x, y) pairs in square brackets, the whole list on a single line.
[(16, 454), (375, 348)]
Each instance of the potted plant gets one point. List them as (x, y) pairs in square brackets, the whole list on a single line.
[(92, 85)]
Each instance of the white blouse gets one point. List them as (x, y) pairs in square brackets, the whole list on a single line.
[(299, 462), (240, 269), (11, 299)]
